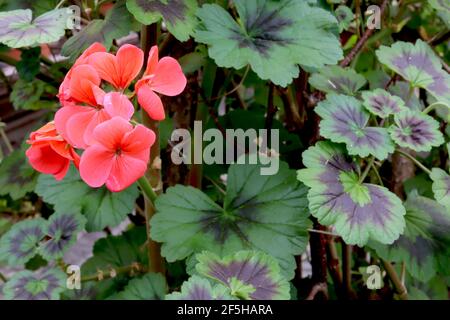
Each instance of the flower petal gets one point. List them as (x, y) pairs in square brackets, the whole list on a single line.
[(98, 117), (76, 126), (44, 159), (63, 115), (83, 79), (95, 165), (117, 104), (106, 66), (129, 60), (124, 172), (151, 103), (93, 48), (169, 78), (152, 61), (110, 133), (139, 139)]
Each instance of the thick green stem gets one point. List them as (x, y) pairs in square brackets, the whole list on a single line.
[(147, 189), (417, 162), (152, 180), (433, 106)]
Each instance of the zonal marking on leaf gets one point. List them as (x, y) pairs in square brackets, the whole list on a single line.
[(441, 186), (44, 284), (337, 79), (188, 221), (425, 240), (359, 211), (345, 120), (416, 131), (274, 37), (418, 64), (381, 103), (20, 243), (179, 15), (197, 288), (18, 29), (250, 275), (62, 230)]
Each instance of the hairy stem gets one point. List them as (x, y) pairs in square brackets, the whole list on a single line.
[(399, 287)]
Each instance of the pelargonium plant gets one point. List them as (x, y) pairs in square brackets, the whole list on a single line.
[(115, 148)]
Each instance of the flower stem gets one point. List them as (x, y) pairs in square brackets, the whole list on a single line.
[(147, 189), (366, 170), (153, 180), (416, 162), (399, 287), (433, 106)]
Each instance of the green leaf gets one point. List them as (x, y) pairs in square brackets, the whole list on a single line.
[(425, 241), (249, 275), (345, 120), (21, 242), (18, 29), (381, 103), (17, 177), (197, 288), (178, 15), (114, 252), (419, 65), (101, 207), (62, 231), (117, 23), (441, 186), (442, 8), (45, 284), (358, 211), (337, 79), (26, 95), (151, 286), (29, 65), (187, 221), (416, 131), (345, 16), (274, 37)]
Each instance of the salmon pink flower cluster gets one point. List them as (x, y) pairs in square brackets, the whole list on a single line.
[(97, 122)]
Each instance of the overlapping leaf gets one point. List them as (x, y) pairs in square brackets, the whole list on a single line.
[(381, 103), (359, 211), (345, 120), (21, 242), (27, 95), (18, 29), (197, 288), (441, 186), (187, 221), (117, 23), (419, 65), (249, 275), (62, 230), (424, 246), (178, 15), (45, 284), (100, 207), (114, 252), (337, 79), (151, 286), (344, 16), (416, 131), (17, 178), (442, 8), (274, 37)]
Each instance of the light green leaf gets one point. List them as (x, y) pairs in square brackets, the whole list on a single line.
[(151, 286), (101, 207), (337, 79), (358, 211), (178, 15), (274, 37), (187, 221)]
